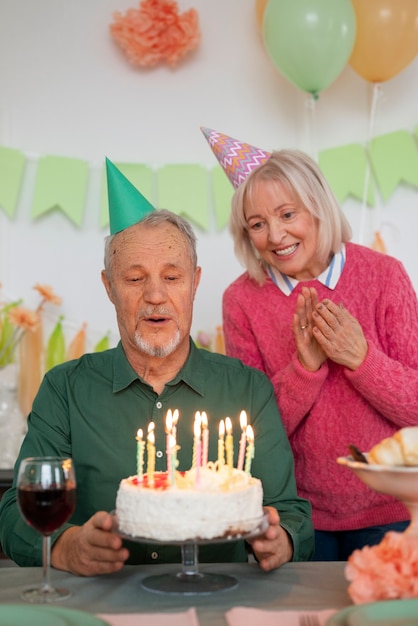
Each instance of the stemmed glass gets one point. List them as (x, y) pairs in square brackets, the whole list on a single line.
[(46, 494)]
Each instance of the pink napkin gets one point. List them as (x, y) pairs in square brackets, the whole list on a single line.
[(242, 616), (185, 618)]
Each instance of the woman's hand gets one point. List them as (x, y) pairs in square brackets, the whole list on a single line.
[(339, 334), (274, 547), (90, 549), (310, 352)]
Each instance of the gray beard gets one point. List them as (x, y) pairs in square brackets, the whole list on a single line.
[(158, 351)]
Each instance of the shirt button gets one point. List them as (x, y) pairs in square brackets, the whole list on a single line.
[(159, 405), (154, 555), (159, 454)]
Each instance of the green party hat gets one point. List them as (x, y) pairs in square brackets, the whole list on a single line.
[(127, 205)]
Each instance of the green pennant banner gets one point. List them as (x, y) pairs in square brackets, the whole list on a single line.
[(140, 175), (61, 184), (222, 192), (183, 189), (345, 169), (190, 189), (12, 165), (394, 159)]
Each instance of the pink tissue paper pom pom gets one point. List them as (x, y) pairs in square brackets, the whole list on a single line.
[(386, 571), (156, 32)]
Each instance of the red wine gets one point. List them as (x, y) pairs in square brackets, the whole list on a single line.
[(46, 509)]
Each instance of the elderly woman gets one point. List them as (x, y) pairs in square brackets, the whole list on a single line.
[(334, 325)]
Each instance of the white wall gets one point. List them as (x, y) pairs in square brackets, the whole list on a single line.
[(66, 89)]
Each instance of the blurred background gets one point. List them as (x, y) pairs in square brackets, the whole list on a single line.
[(68, 90)]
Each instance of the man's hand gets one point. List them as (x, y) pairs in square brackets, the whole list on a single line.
[(274, 547), (90, 549)]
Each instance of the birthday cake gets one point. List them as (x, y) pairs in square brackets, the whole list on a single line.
[(204, 504)]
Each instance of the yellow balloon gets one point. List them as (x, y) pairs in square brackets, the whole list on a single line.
[(260, 6), (386, 37)]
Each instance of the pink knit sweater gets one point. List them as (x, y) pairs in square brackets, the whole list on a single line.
[(324, 411)]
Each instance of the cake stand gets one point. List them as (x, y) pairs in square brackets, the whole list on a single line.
[(400, 482), (190, 581)]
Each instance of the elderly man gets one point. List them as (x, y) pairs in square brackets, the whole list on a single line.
[(91, 408)]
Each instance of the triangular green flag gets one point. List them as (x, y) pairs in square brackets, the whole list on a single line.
[(222, 193), (61, 183), (394, 158), (12, 165), (183, 190), (127, 205), (345, 169)]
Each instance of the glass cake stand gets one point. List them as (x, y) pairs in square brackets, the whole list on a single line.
[(401, 482), (190, 581)]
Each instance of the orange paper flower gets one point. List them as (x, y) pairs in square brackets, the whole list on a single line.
[(47, 294), (16, 320), (24, 318), (386, 571), (156, 32)]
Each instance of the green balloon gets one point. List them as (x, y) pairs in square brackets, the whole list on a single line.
[(309, 41)]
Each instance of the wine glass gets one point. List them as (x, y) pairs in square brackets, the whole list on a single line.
[(46, 494)]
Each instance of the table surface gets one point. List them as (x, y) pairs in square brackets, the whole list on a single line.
[(294, 586)]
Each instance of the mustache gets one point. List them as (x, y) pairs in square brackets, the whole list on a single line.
[(154, 311)]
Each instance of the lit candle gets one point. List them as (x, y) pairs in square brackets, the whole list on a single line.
[(243, 440), (151, 454), (250, 449), (140, 455), (205, 439), (197, 457), (197, 453), (173, 458), (168, 431), (174, 433), (221, 445), (229, 443)]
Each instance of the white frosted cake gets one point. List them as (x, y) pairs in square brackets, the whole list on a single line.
[(217, 503)]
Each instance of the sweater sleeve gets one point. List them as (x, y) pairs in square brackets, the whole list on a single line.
[(388, 377), (240, 341), (295, 388)]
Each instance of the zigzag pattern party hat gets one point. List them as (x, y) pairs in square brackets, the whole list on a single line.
[(236, 158), (127, 205)]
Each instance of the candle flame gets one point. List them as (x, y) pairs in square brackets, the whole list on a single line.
[(169, 422), (228, 425), (197, 424), (151, 426), (204, 420), (221, 428), (175, 417), (243, 420), (139, 434), (250, 434), (151, 436)]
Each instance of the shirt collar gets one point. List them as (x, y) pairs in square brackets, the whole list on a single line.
[(329, 277), (192, 372)]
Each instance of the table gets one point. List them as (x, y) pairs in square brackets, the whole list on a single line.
[(311, 586)]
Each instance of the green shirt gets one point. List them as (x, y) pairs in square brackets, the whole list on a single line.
[(91, 408)]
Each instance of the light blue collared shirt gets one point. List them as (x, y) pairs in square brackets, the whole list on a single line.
[(329, 277)]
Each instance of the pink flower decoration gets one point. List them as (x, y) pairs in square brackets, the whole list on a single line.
[(155, 32), (386, 571)]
